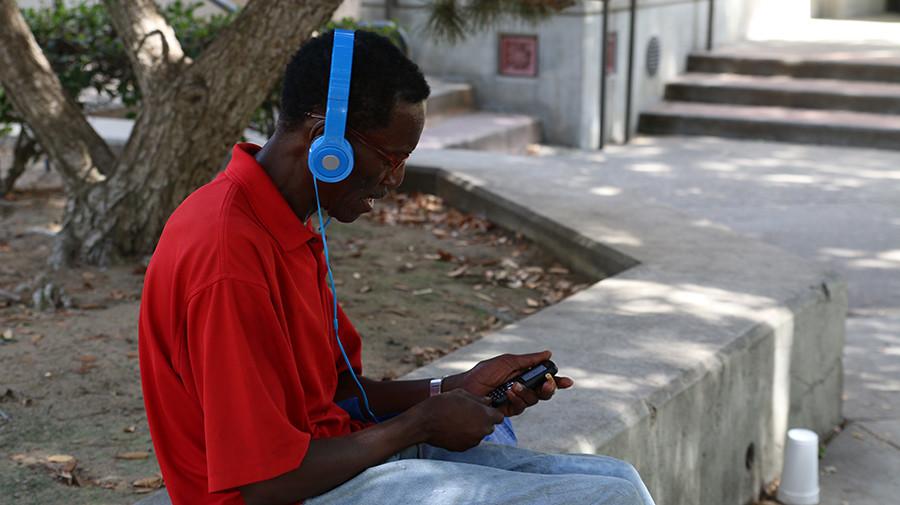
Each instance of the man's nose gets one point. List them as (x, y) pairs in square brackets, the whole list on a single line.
[(395, 176)]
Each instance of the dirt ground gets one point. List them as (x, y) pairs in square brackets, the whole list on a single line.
[(72, 423)]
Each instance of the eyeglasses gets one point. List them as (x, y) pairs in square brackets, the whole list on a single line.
[(393, 160)]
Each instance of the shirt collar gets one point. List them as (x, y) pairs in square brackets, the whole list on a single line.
[(267, 202)]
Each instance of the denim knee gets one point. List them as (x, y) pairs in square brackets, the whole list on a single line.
[(630, 472), (620, 492)]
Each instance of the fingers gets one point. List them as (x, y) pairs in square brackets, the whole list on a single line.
[(547, 390), (522, 361), (527, 396), (497, 416), (517, 400), (494, 414)]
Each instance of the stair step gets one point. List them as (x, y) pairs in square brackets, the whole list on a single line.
[(774, 123), (783, 91), (489, 131), (885, 70), (448, 97)]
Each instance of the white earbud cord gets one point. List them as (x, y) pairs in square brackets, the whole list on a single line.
[(335, 302)]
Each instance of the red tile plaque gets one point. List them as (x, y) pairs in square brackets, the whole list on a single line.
[(518, 55)]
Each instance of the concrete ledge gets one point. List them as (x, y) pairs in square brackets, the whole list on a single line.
[(448, 97), (854, 67), (488, 131), (780, 124), (691, 360)]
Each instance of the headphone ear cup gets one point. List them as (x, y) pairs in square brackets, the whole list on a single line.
[(330, 160)]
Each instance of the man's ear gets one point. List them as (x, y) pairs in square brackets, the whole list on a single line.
[(317, 130)]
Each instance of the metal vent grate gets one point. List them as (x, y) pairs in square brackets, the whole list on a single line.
[(653, 57)]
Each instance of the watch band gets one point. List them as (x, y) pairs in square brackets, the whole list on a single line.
[(434, 387)]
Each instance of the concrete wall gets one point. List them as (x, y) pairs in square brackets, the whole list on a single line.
[(565, 94)]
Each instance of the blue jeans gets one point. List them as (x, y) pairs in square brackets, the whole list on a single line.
[(492, 474)]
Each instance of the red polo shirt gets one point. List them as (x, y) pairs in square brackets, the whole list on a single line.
[(239, 364)]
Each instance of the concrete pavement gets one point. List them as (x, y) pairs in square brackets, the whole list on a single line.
[(838, 206)]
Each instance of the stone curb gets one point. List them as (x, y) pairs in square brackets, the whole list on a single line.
[(691, 360)]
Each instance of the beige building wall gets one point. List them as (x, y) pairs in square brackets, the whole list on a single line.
[(848, 8)]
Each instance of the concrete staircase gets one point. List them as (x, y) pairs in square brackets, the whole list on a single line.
[(812, 99), (452, 122)]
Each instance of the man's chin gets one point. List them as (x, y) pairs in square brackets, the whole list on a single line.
[(346, 217)]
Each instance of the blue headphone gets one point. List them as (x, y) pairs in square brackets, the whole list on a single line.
[(331, 160), (331, 156)]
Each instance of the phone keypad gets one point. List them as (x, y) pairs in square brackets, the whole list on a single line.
[(498, 396)]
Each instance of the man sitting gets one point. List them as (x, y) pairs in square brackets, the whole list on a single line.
[(240, 366)]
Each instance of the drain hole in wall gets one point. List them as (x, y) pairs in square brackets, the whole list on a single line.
[(750, 457)]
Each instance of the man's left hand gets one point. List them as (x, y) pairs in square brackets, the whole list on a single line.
[(487, 375)]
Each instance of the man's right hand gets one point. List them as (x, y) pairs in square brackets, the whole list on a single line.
[(457, 420)]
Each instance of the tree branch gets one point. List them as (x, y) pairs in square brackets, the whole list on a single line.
[(151, 44), (78, 153), (24, 150)]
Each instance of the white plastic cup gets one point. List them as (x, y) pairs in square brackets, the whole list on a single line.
[(800, 476)]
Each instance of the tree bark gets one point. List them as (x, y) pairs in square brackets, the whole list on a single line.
[(79, 154), (184, 132), (24, 150), (150, 42)]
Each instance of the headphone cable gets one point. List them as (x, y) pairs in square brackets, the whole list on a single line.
[(335, 303)]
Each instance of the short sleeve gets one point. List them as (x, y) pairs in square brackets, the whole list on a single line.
[(352, 344), (246, 384)]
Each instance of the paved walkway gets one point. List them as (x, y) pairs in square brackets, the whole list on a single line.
[(839, 206)]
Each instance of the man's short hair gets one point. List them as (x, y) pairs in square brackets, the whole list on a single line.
[(381, 76)]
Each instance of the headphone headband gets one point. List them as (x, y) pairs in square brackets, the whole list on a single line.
[(339, 84)]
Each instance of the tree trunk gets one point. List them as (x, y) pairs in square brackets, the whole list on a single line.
[(184, 132)]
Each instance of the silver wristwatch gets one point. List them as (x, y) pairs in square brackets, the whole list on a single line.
[(434, 387)]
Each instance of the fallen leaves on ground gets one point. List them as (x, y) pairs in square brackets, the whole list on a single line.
[(63, 467), (132, 455), (148, 484), (88, 363), (423, 355), (60, 458), (457, 272), (419, 208), (110, 482)]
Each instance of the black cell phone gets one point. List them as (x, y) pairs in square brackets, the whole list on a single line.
[(533, 378)]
